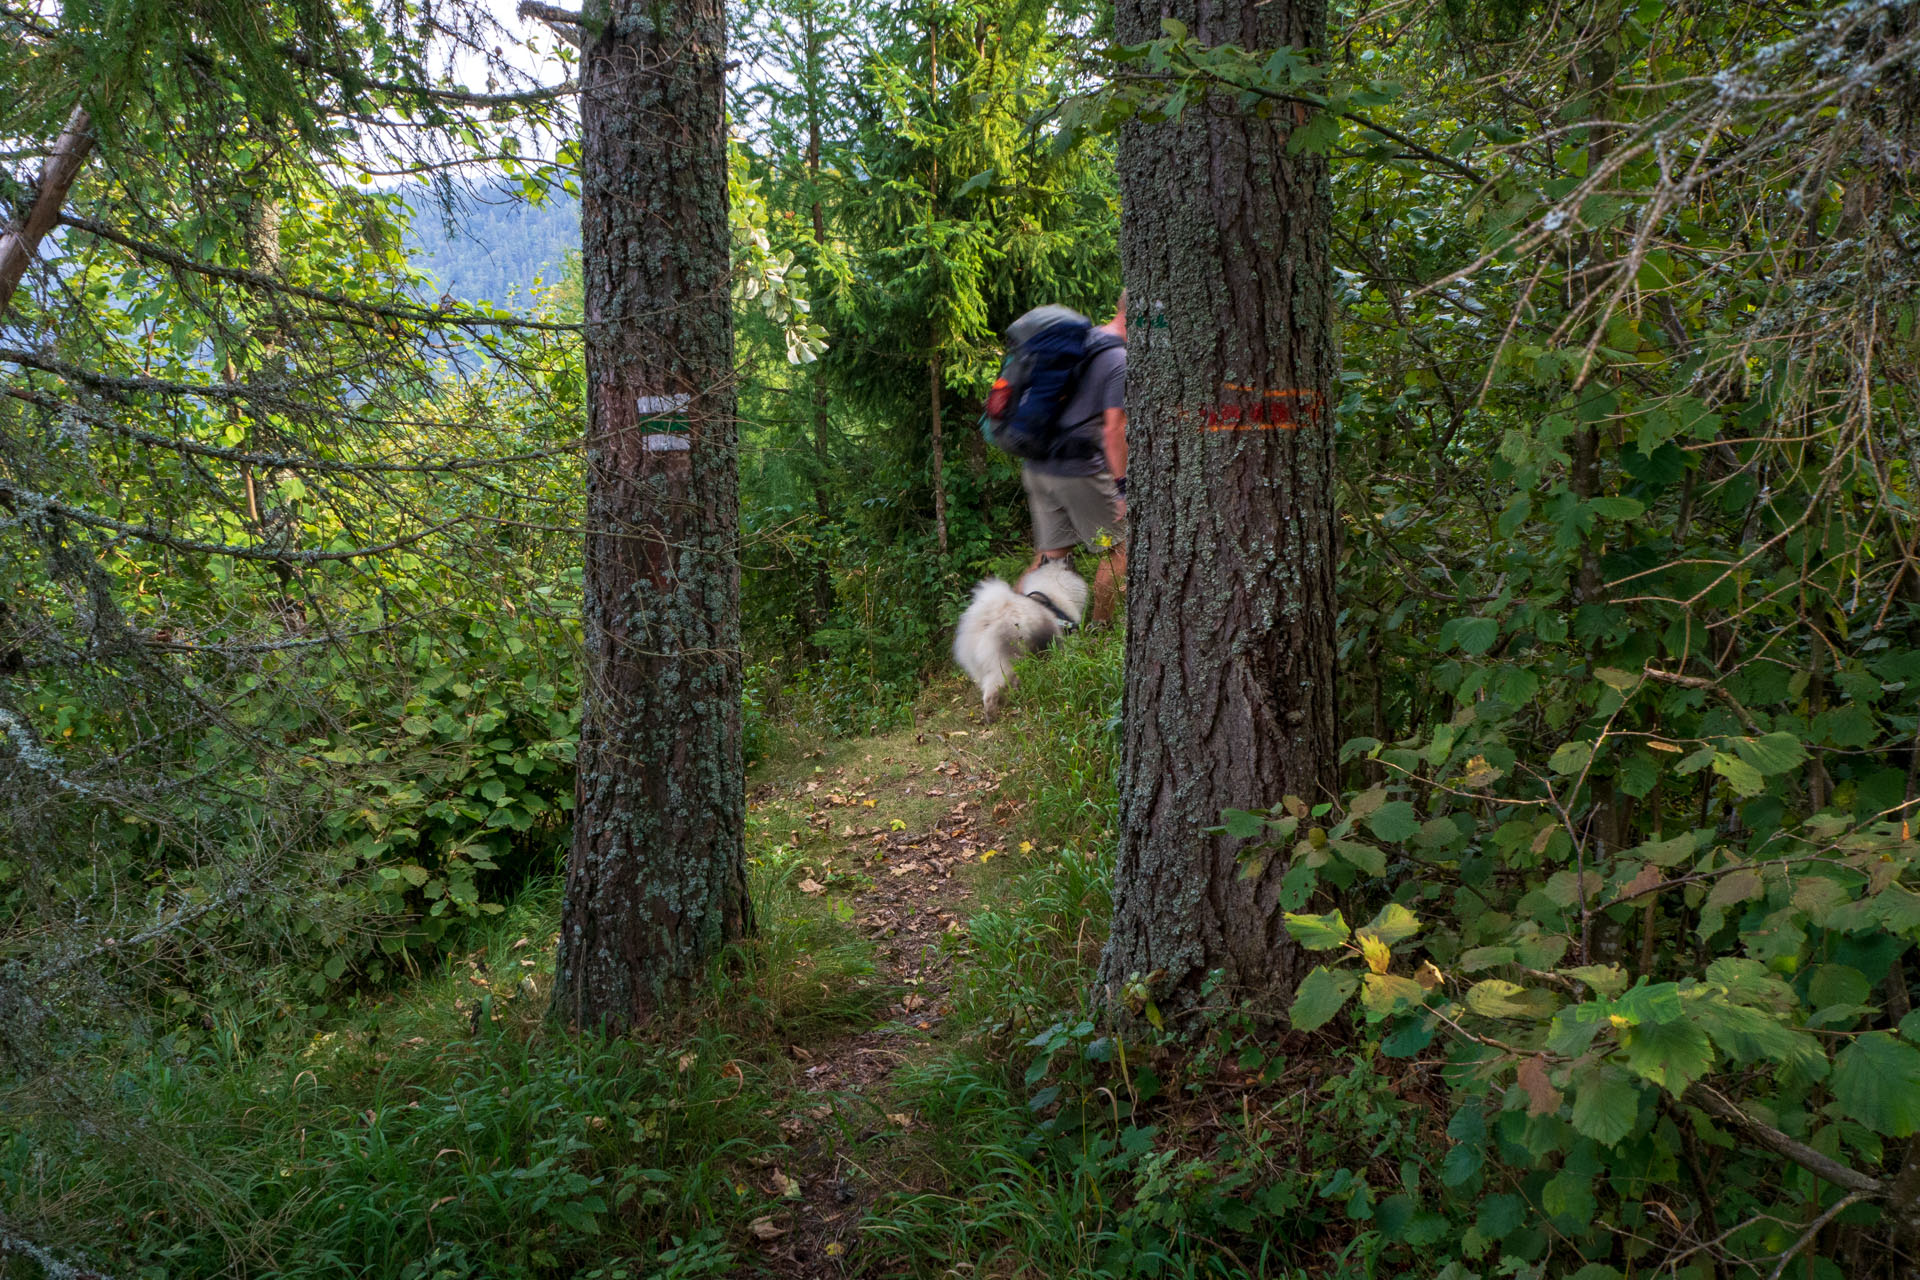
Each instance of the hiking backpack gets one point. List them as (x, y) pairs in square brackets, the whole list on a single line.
[(1046, 350)]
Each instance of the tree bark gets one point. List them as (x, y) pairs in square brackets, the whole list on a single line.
[(22, 240), (939, 455), (1230, 677), (934, 364), (823, 594), (656, 882)]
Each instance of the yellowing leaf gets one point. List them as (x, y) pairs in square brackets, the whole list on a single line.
[(1378, 954), (1386, 992), (1479, 773)]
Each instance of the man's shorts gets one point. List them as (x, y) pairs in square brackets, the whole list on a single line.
[(1074, 509)]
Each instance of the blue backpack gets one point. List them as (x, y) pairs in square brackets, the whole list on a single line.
[(1047, 349)]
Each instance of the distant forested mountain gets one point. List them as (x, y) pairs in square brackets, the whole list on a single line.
[(495, 244)]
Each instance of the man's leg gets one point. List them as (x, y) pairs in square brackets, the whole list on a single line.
[(1053, 532)]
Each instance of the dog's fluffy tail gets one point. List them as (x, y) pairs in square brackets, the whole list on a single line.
[(979, 645)]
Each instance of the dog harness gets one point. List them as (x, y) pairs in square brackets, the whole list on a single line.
[(1066, 623)]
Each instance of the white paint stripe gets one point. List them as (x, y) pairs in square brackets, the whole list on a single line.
[(649, 405), (660, 442)]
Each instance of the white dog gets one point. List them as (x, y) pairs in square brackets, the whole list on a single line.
[(1004, 622)]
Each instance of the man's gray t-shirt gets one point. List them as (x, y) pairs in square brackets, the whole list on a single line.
[(1102, 386)]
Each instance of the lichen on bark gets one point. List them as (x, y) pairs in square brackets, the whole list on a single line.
[(656, 880)]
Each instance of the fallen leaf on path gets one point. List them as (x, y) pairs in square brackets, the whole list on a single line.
[(810, 885), (900, 1119), (764, 1229)]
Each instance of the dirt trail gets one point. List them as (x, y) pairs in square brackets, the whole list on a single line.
[(896, 842)]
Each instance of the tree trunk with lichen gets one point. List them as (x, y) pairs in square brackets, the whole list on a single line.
[(1230, 614), (656, 882)]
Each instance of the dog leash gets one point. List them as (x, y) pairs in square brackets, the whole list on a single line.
[(1066, 623)]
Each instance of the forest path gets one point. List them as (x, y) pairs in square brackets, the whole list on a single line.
[(893, 835)]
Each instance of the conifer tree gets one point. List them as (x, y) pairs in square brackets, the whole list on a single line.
[(1230, 630), (656, 882)]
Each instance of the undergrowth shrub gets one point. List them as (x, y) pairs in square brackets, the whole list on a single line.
[(451, 1130)]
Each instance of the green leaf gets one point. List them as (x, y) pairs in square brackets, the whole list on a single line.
[(1474, 635), (1174, 28), (1734, 887), (1617, 508), (1833, 984), (1876, 1080), (1498, 998), (1747, 1035), (1501, 1216), (1772, 753), (1570, 757), (1670, 1054), (1568, 1196), (1606, 1106), (1461, 1163), (1394, 924), (1321, 995), (1318, 933), (1242, 825), (1364, 856), (1741, 776), (1665, 853), (415, 875), (1393, 822), (1485, 958), (1386, 992), (417, 725), (1608, 979)]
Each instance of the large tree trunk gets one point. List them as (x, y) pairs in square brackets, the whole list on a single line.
[(1230, 626), (656, 883)]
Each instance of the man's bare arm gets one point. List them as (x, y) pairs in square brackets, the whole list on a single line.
[(1114, 443)]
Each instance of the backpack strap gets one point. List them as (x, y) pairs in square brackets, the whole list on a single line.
[(1066, 623)]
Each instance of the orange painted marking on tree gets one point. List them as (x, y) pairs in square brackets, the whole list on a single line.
[(1274, 411)]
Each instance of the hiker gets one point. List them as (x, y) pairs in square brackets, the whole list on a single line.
[(1075, 457)]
